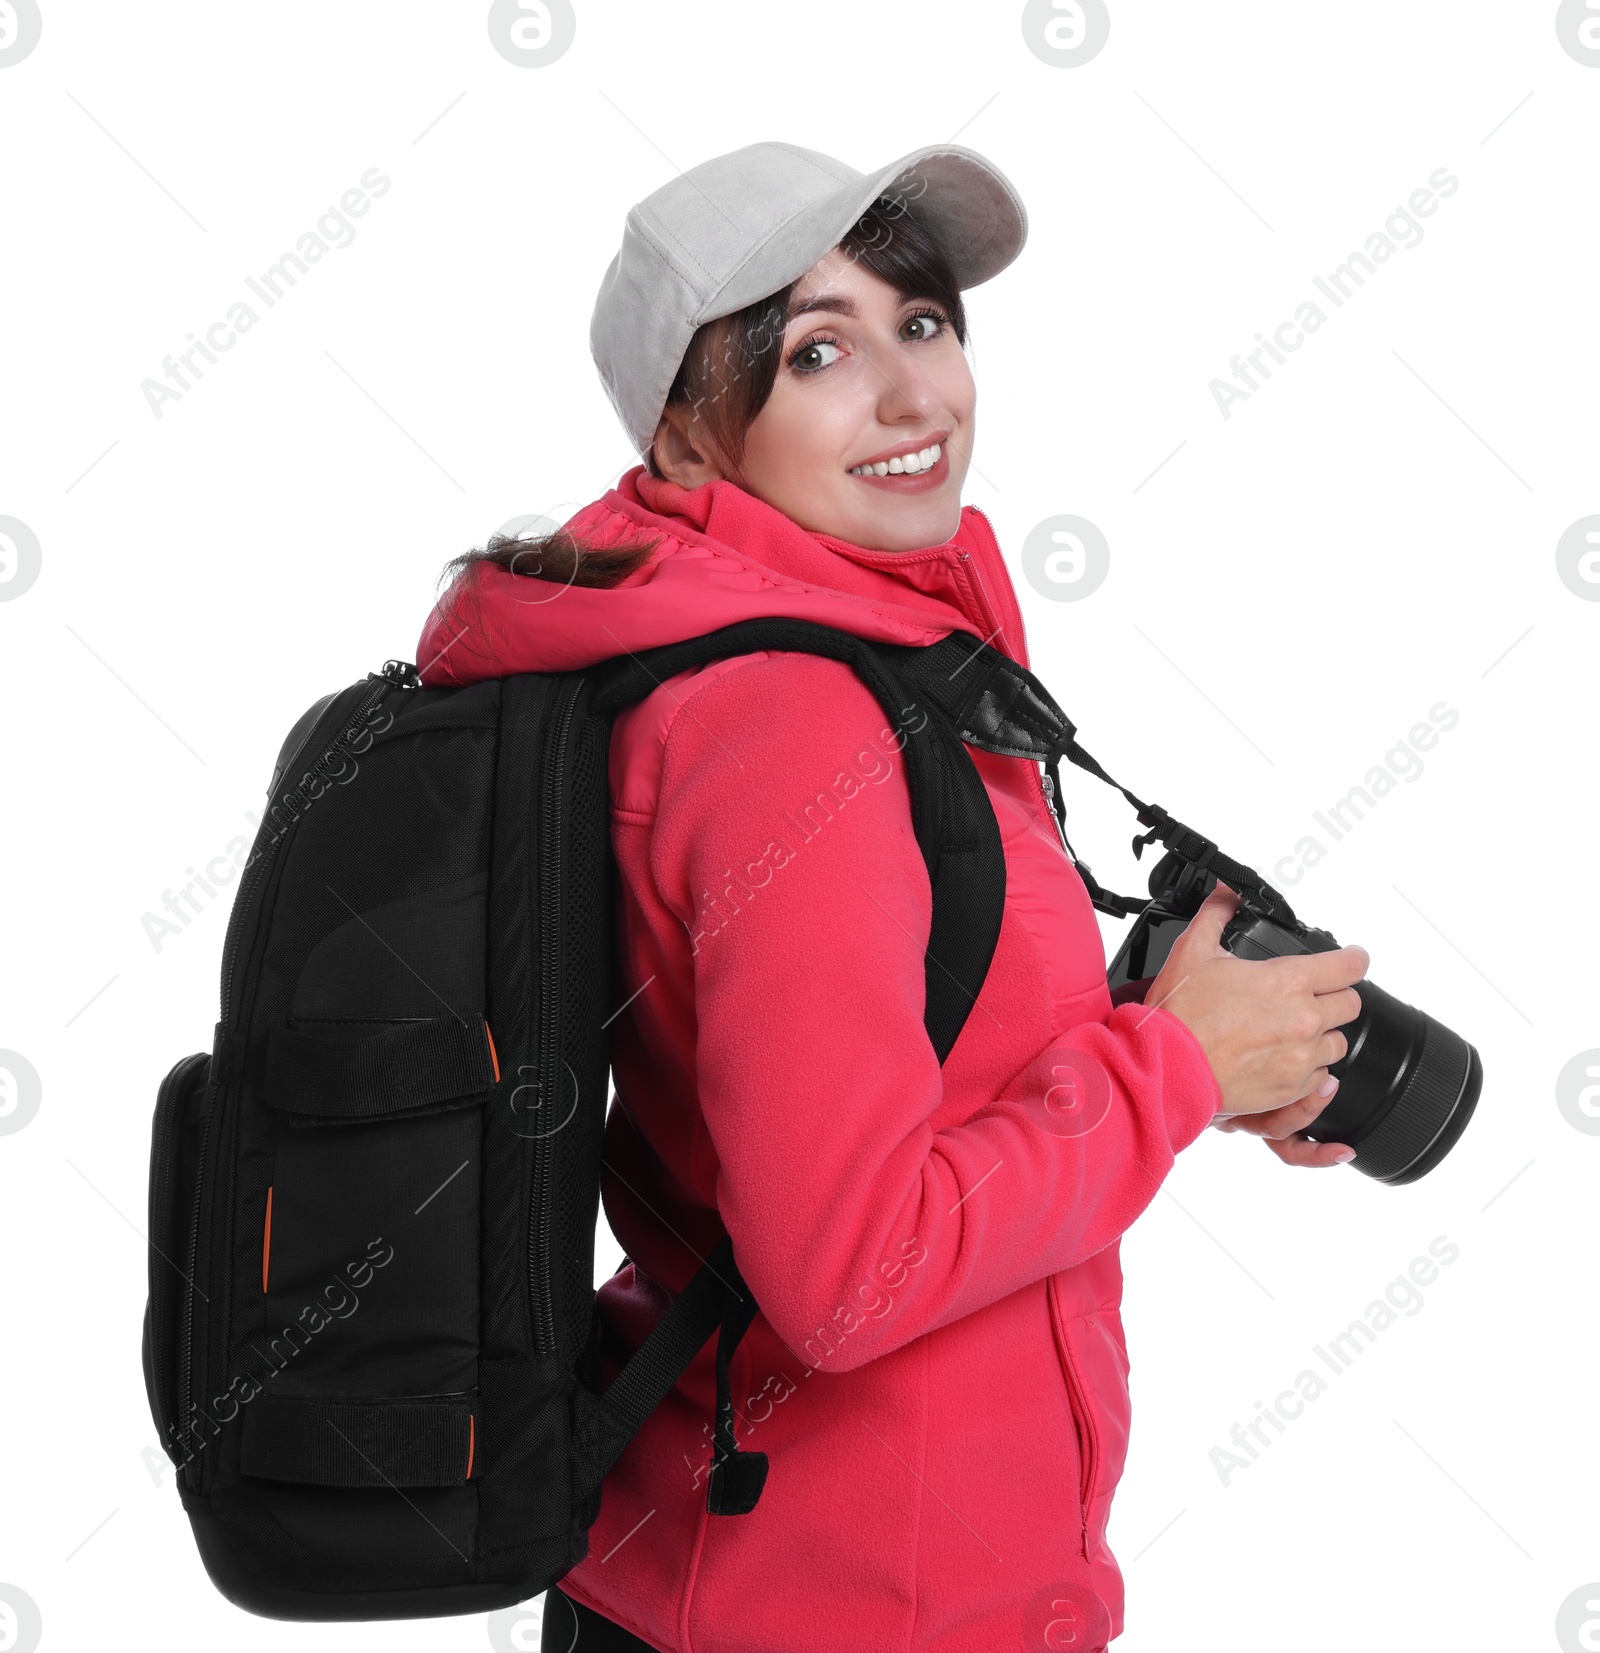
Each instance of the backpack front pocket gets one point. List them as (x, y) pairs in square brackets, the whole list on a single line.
[(364, 1225), (369, 1258), (173, 1153), (369, 1268)]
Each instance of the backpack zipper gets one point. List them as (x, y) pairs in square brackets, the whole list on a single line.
[(250, 880), (552, 915)]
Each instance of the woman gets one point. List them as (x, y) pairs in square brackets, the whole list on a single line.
[(938, 1372)]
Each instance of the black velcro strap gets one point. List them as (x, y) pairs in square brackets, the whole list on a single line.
[(421, 1442), (402, 1067), (737, 1477), (607, 1422)]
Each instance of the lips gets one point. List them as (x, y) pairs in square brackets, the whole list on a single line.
[(909, 482), (918, 460), (935, 438)]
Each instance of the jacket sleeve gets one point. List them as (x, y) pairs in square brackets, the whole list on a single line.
[(817, 1081)]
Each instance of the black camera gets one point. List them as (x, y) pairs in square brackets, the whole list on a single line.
[(1407, 1084)]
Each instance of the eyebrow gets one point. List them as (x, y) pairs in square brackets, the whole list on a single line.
[(836, 303)]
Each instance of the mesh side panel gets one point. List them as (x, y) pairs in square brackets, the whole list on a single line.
[(588, 995)]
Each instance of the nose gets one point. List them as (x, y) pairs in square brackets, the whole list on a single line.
[(907, 391)]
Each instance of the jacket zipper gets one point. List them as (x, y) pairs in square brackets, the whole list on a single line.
[(552, 917), (249, 882), (1087, 1453), (1077, 1401)]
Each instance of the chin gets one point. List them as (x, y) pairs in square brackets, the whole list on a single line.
[(929, 523), (890, 524)]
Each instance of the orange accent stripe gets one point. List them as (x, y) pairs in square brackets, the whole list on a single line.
[(472, 1441), (266, 1242), (493, 1054)]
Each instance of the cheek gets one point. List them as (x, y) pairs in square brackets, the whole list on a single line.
[(956, 385), (798, 441), (960, 396)]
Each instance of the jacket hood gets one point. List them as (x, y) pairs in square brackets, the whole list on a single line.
[(724, 556)]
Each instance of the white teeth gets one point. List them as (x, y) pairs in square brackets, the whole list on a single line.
[(906, 465)]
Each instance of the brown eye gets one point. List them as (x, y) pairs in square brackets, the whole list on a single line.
[(927, 325), (810, 358)]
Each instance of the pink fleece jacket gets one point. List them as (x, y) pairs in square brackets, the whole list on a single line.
[(938, 1372)]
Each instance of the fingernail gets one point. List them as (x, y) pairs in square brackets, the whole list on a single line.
[(1344, 1155), (1328, 1086)]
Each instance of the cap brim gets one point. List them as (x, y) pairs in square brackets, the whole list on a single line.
[(967, 203)]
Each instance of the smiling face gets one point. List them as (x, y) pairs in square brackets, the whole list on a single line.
[(867, 432)]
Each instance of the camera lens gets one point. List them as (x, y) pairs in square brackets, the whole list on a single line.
[(1407, 1088), (1407, 1083)]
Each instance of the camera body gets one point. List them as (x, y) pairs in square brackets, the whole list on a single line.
[(1408, 1084)]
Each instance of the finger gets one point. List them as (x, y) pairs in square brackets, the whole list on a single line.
[(1201, 939), (1327, 972), (1211, 918), (1339, 1008), (1315, 1096), (1304, 1108), (1315, 1155), (1278, 1123)]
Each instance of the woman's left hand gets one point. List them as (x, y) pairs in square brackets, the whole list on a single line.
[(1277, 1129)]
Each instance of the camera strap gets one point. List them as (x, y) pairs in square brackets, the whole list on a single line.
[(999, 706)]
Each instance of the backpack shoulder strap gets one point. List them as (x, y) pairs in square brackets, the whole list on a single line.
[(960, 841), (950, 809)]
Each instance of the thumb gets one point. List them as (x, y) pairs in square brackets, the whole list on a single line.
[(1204, 932)]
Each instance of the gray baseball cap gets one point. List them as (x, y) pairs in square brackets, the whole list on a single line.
[(743, 225)]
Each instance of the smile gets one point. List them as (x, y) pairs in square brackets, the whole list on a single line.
[(908, 464)]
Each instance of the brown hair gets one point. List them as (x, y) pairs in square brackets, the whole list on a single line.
[(726, 377)]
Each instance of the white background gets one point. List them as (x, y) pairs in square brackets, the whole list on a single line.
[(1372, 533)]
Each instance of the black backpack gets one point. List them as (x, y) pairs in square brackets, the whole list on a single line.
[(371, 1344)]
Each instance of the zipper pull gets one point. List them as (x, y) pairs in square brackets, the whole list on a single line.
[(1050, 798), (402, 673), (1061, 831)]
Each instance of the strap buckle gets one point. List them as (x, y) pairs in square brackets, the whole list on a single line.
[(1157, 819)]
